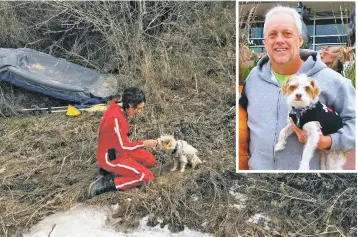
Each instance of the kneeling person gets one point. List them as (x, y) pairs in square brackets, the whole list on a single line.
[(126, 162)]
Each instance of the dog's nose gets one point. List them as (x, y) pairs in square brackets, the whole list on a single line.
[(298, 96)]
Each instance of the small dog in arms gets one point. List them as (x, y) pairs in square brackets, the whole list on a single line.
[(315, 118), (182, 151)]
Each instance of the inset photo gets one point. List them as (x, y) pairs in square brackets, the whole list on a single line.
[(297, 71)]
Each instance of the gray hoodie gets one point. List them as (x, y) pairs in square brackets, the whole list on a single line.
[(268, 110)]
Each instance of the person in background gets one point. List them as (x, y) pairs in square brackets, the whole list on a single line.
[(243, 129)]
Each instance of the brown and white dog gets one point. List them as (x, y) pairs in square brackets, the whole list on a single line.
[(182, 151), (315, 118)]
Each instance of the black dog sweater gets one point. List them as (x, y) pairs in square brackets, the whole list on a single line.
[(329, 120)]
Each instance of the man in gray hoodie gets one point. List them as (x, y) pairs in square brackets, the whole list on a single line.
[(267, 108)]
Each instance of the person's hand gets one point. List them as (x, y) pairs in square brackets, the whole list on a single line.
[(299, 132), (150, 143), (324, 142)]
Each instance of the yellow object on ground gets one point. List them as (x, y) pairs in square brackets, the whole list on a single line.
[(99, 107), (72, 111)]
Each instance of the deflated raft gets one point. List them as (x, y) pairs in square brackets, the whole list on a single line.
[(55, 77)]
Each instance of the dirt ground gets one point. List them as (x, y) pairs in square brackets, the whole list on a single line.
[(47, 162)]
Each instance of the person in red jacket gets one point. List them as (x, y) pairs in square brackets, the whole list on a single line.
[(127, 162)]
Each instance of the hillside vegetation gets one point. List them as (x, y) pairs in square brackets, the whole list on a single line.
[(182, 54)]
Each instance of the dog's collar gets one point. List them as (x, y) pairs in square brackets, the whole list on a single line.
[(300, 112), (303, 110), (175, 149)]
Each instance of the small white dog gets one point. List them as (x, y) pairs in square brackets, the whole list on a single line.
[(314, 118), (182, 151)]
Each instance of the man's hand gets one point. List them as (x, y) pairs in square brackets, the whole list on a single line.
[(150, 143), (324, 142)]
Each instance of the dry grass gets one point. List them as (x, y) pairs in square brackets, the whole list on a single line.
[(41, 176), (181, 54), (49, 160), (184, 64)]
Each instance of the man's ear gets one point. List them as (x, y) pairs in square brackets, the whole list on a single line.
[(300, 40)]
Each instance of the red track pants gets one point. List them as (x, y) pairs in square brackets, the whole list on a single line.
[(132, 169)]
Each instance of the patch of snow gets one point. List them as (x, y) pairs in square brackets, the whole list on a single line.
[(205, 223), (91, 222), (238, 206), (257, 217), (194, 198), (241, 198), (115, 207), (238, 196)]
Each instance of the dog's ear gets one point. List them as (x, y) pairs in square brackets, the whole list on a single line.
[(285, 86), (316, 89)]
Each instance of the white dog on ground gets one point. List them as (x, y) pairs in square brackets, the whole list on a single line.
[(182, 151), (314, 118)]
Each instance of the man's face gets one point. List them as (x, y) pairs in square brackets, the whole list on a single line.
[(135, 111), (282, 40)]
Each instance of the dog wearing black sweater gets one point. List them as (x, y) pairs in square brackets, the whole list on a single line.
[(315, 118)]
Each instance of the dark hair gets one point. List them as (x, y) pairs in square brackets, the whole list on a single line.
[(133, 96)]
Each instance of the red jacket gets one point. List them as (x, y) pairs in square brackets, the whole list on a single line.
[(113, 133)]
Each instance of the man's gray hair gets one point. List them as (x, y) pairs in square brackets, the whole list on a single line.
[(289, 10)]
